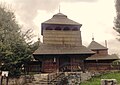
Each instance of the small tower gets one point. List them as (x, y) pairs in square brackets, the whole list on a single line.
[(98, 49), (101, 60)]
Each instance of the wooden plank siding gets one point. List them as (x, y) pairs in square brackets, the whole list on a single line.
[(98, 66), (49, 66), (62, 37)]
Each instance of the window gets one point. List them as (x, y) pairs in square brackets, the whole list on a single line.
[(57, 28), (48, 28), (66, 28)]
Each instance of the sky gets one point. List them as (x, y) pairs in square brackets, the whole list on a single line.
[(96, 17)]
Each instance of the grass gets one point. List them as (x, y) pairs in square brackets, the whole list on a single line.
[(96, 80)]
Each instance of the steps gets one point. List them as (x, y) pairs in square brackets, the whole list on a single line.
[(39, 79), (55, 78), (46, 79)]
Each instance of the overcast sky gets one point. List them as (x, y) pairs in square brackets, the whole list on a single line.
[(96, 16)]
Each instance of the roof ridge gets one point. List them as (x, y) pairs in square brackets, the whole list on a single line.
[(60, 18)]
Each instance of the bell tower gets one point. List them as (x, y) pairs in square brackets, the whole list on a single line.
[(61, 30)]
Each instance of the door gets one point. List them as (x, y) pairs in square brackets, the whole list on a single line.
[(64, 64)]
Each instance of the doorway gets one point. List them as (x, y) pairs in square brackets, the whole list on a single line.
[(64, 64)]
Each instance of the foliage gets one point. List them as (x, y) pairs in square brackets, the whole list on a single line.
[(117, 19), (96, 80), (14, 50)]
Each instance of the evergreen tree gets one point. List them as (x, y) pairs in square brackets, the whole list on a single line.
[(14, 50)]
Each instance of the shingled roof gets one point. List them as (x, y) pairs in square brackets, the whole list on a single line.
[(96, 46), (60, 18), (62, 49), (107, 57)]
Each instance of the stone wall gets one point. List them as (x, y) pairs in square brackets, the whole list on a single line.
[(18, 81), (108, 82), (73, 78)]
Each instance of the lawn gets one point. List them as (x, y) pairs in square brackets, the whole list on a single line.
[(96, 80)]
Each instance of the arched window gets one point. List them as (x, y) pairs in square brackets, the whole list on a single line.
[(66, 28), (48, 28), (75, 29), (57, 28)]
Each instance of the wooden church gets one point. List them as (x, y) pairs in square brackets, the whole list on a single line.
[(62, 48)]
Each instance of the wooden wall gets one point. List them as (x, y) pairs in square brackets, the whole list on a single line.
[(48, 65), (62, 37), (98, 66), (100, 52)]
